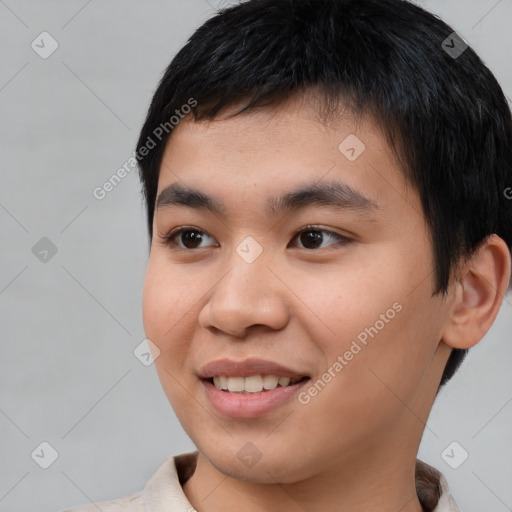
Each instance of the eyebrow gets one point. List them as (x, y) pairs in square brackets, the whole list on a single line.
[(331, 194)]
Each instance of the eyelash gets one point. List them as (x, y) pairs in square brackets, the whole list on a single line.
[(168, 240)]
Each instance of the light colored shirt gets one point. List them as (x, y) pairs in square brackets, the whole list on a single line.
[(164, 492)]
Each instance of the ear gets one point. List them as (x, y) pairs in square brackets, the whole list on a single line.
[(479, 289)]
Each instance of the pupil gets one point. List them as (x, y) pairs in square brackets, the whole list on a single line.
[(315, 236), (191, 235)]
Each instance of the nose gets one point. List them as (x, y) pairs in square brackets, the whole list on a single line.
[(248, 295)]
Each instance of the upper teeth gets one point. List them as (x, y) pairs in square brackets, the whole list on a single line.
[(252, 384)]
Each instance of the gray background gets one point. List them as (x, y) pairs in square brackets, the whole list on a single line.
[(68, 375)]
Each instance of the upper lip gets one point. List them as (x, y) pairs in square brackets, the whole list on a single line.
[(246, 368)]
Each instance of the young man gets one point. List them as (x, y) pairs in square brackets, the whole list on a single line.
[(330, 230)]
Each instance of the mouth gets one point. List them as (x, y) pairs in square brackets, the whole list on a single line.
[(250, 388), (251, 396), (252, 384)]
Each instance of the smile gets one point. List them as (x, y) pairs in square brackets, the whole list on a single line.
[(252, 384)]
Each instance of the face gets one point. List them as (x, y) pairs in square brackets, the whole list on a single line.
[(335, 287)]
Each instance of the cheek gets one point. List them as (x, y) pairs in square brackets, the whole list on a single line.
[(397, 355), (153, 310), (164, 311), (165, 324), (343, 304), (370, 318)]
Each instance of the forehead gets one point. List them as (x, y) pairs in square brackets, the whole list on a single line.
[(281, 157)]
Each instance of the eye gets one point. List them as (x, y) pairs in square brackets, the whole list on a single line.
[(188, 236), (312, 236)]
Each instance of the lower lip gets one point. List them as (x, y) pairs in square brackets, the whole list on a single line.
[(236, 405)]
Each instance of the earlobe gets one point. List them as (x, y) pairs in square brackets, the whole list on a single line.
[(478, 294)]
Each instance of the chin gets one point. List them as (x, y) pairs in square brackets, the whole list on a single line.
[(250, 464)]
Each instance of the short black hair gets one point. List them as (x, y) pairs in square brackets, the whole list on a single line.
[(441, 109)]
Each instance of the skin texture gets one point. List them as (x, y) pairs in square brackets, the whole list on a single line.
[(354, 445)]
